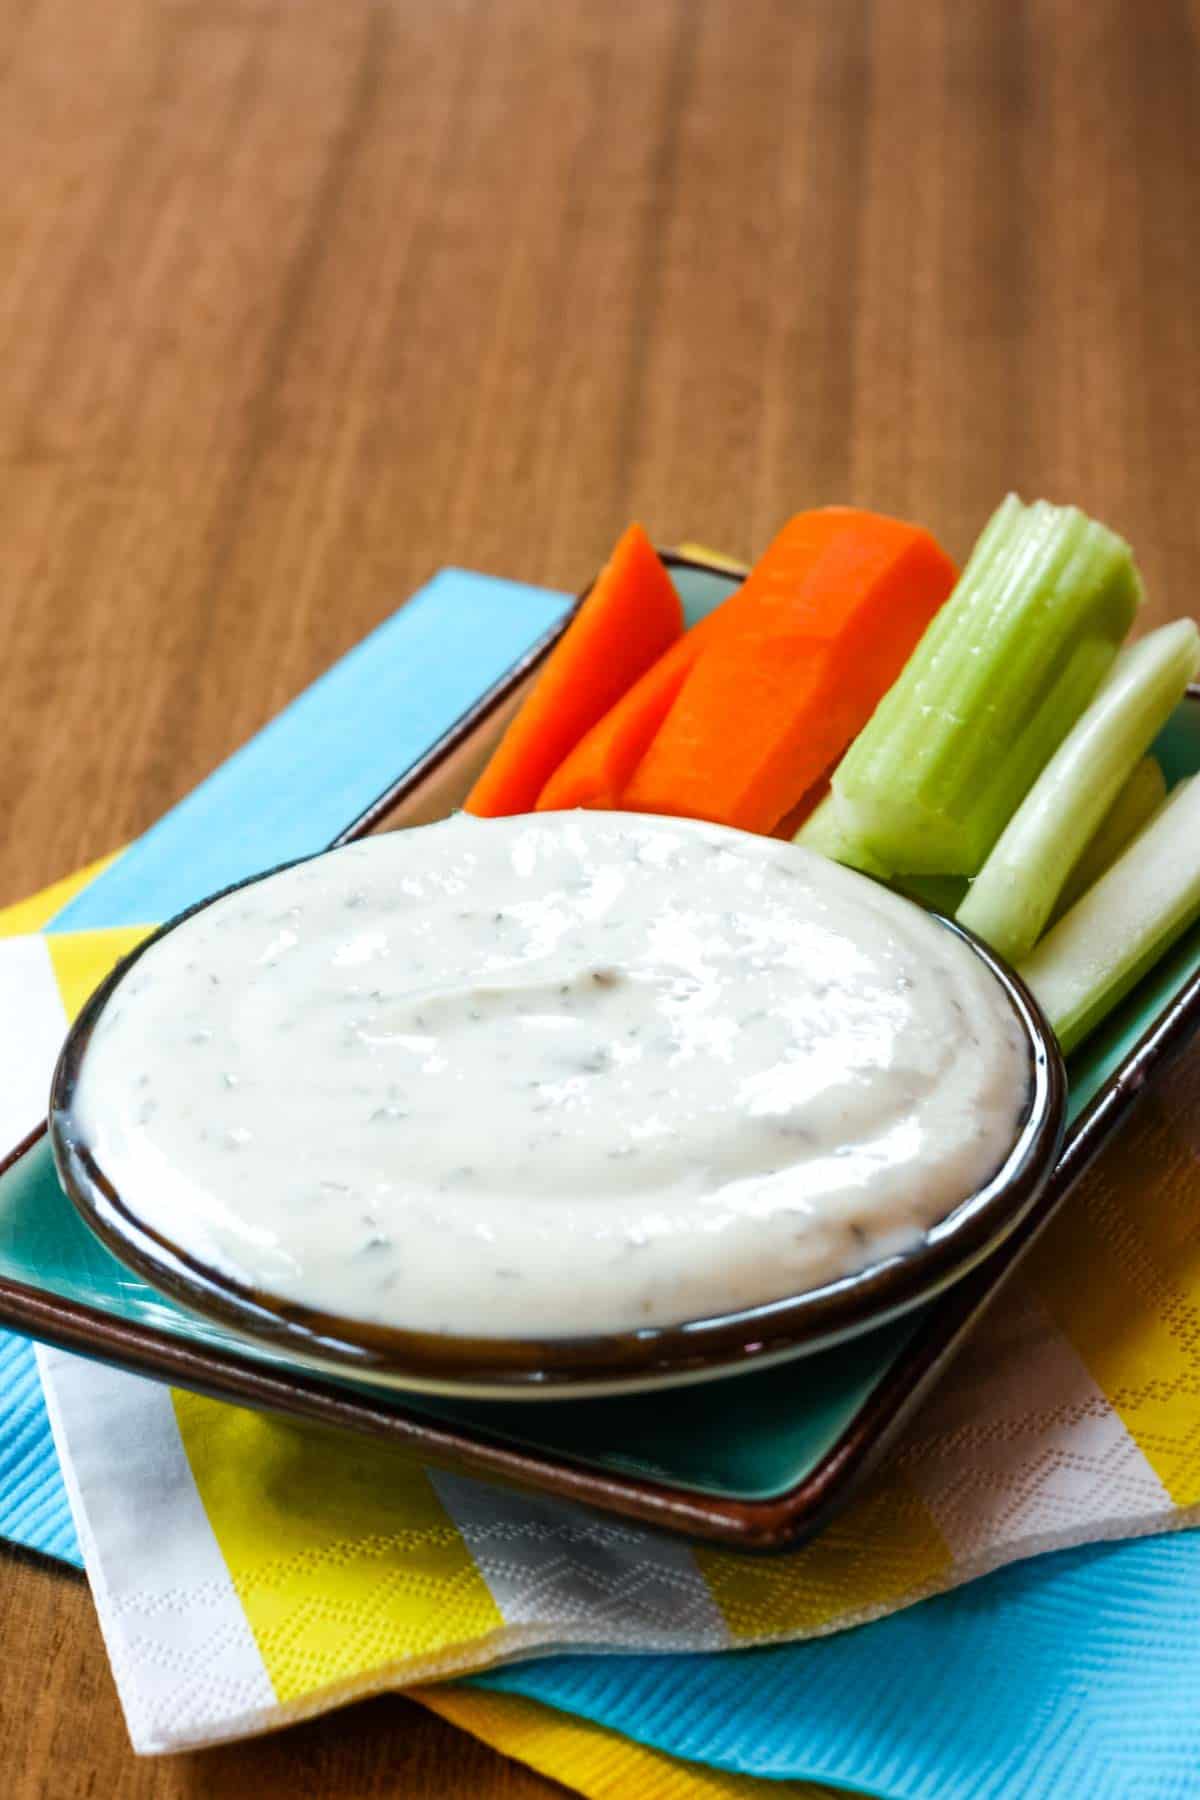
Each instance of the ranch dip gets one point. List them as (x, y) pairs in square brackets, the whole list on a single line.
[(569, 1074)]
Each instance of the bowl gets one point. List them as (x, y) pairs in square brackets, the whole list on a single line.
[(546, 1367)]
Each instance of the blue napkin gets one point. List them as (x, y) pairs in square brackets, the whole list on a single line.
[(33, 1500), (1074, 1676)]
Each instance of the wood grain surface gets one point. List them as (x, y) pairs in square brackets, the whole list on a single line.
[(300, 300)]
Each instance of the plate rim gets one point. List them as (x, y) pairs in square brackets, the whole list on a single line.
[(776, 1523)]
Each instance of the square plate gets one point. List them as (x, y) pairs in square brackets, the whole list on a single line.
[(759, 1461)]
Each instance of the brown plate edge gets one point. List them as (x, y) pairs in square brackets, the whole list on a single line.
[(766, 1525)]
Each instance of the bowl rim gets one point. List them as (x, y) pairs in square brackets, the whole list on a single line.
[(512, 1368)]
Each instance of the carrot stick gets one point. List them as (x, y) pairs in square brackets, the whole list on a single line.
[(752, 722), (627, 620), (807, 804), (603, 762), (764, 711)]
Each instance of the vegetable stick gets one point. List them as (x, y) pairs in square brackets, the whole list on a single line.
[(1134, 807), (1123, 924), (1014, 893), (602, 763), (627, 620), (769, 706), (790, 824), (824, 832), (993, 688)]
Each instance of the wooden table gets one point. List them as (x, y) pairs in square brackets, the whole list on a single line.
[(299, 301)]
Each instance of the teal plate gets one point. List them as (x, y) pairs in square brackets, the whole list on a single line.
[(759, 1461)]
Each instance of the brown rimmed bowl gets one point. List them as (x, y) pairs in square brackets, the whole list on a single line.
[(573, 1368)]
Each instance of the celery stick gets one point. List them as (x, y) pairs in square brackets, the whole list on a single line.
[(1014, 893), (999, 678), (822, 831), (1134, 806), (1123, 924)]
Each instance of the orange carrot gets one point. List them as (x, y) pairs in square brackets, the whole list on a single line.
[(774, 588), (627, 620), (764, 711), (754, 726), (808, 803), (602, 763)]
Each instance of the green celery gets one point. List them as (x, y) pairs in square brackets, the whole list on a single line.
[(1135, 805), (822, 831), (1014, 893), (1123, 924), (999, 678)]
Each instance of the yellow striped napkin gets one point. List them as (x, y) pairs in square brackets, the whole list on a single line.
[(249, 1570)]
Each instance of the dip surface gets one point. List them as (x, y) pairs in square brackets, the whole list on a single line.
[(562, 1075)]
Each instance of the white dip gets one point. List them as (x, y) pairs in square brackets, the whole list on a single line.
[(560, 1075)]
